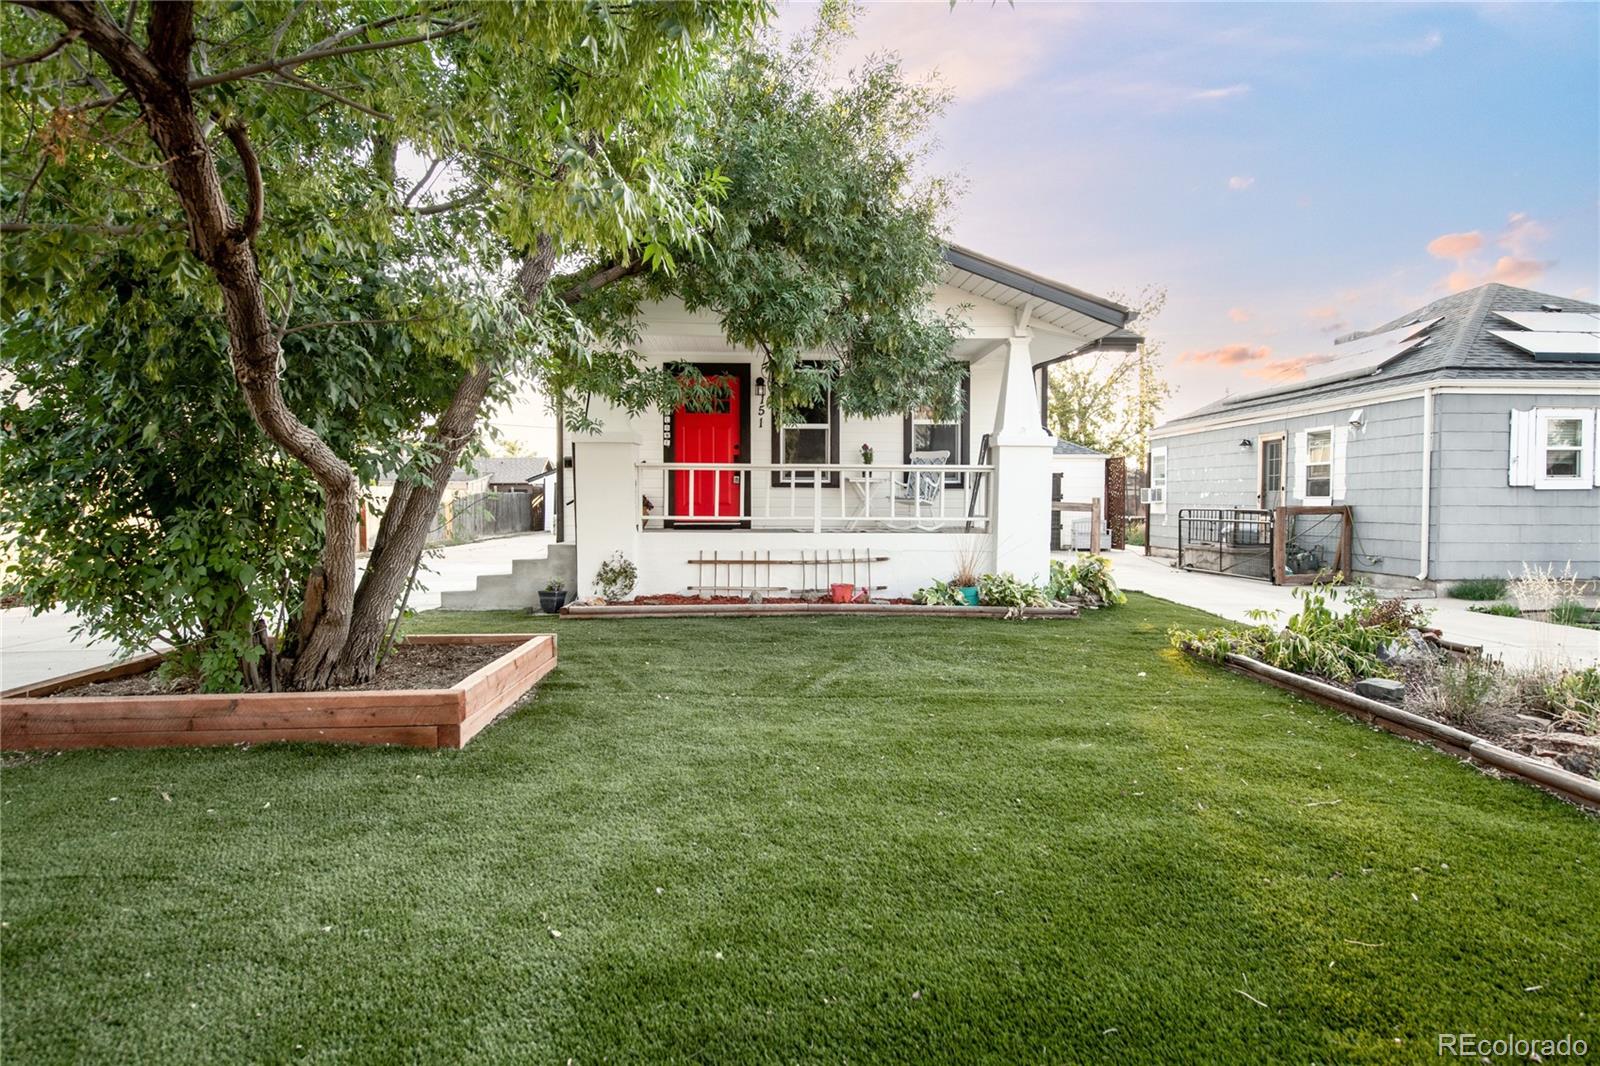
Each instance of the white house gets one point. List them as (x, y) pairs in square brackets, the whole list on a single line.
[(682, 493)]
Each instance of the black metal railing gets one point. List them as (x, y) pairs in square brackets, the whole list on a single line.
[(1226, 540)]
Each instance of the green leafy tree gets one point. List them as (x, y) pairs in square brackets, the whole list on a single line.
[(1110, 402), (220, 146)]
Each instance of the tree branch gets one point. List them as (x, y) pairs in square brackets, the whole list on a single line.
[(448, 205), (171, 30), (601, 278), (309, 86), (433, 168), (252, 177), (335, 322), (314, 54), (68, 227), (42, 54)]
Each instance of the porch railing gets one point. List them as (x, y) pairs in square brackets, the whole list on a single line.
[(816, 497)]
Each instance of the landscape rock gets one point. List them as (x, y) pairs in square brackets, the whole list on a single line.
[(1381, 688)]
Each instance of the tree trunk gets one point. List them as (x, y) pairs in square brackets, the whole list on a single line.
[(403, 532), (158, 78)]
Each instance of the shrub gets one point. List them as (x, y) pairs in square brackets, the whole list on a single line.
[(1479, 588), (1089, 578), (1315, 640), (1504, 610), (616, 577), (1469, 693), (1394, 613), (940, 594), (1573, 699), (1007, 590)]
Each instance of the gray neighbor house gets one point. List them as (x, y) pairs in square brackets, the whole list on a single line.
[(1462, 437)]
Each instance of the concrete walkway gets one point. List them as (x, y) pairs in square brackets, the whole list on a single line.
[(1518, 641), (33, 648)]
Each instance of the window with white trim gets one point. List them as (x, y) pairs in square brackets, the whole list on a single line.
[(1158, 480), (1319, 464), (1553, 448), (809, 435)]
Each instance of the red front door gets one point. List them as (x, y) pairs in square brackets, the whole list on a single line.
[(708, 437)]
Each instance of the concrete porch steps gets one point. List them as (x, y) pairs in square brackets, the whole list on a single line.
[(520, 588)]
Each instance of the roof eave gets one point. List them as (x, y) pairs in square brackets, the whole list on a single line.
[(1096, 307)]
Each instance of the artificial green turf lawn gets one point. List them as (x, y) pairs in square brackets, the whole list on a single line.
[(797, 840)]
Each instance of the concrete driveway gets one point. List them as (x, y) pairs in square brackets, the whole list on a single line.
[(1517, 641), (33, 648)]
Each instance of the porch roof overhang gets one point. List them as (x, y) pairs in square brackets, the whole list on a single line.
[(1067, 321)]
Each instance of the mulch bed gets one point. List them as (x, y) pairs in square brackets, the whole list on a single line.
[(408, 666)]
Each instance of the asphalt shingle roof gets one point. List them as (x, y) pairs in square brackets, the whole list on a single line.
[(1067, 447), (1460, 346)]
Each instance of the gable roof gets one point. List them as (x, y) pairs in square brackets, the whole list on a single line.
[(1067, 447), (1461, 345)]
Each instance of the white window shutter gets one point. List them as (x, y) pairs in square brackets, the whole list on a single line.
[(1594, 447), (1524, 447), (1297, 469), (1341, 439)]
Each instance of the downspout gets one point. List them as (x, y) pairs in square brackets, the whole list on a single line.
[(1423, 547)]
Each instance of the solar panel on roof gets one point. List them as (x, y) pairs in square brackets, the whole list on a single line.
[(1554, 321), (1543, 342)]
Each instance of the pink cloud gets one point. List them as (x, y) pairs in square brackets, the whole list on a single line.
[(1517, 266), (1228, 355), (1238, 314), (1241, 182), (1323, 313), (1286, 370), (1455, 246)]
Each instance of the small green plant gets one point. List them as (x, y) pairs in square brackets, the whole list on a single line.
[(1574, 700), (1136, 533), (1479, 588), (1571, 613), (940, 594), (616, 577), (1396, 613), (1504, 610), (556, 585), (1316, 640), (1007, 590), (1089, 578)]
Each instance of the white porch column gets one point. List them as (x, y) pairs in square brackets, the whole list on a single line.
[(1021, 451), (605, 493)]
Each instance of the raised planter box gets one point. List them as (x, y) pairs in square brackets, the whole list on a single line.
[(421, 718), (1574, 788), (772, 610)]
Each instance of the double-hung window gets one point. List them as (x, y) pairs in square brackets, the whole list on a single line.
[(1319, 465), (1158, 480), (809, 434), (1553, 448)]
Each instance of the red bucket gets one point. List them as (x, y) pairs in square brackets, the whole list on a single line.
[(843, 593)]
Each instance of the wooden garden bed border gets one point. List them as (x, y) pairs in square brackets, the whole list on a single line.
[(31, 720), (1574, 788), (774, 610)]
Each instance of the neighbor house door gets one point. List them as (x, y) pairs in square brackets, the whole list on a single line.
[(1269, 491), (712, 436)]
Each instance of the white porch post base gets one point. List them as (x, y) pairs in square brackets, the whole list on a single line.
[(605, 495), (1021, 450)]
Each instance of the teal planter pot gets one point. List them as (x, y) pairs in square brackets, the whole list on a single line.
[(970, 594)]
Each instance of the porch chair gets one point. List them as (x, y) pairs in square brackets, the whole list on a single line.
[(924, 492)]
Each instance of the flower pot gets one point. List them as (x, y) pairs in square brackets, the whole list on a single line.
[(550, 601), (842, 593), (970, 594)]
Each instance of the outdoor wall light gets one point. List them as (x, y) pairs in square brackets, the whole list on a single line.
[(761, 401), (1246, 444)]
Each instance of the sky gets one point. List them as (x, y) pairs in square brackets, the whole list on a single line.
[(1287, 172)]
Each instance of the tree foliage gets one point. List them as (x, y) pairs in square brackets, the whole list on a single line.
[(1111, 402), (226, 307)]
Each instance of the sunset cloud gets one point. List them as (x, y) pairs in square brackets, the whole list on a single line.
[(1228, 355), (1280, 371), (1322, 314), (1517, 266), (1455, 246), (1238, 314), (1240, 182)]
